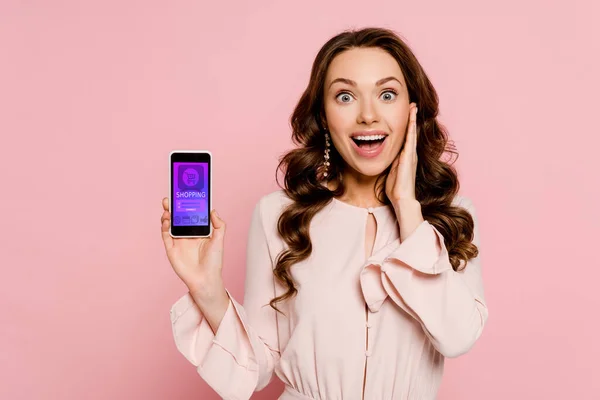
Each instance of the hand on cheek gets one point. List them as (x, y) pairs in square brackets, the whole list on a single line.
[(400, 184)]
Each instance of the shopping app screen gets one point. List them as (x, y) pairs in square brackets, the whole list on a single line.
[(190, 193)]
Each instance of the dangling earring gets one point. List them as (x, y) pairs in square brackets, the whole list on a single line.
[(326, 162)]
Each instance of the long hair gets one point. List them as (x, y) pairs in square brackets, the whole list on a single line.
[(436, 180)]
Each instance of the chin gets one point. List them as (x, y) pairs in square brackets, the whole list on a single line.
[(370, 170)]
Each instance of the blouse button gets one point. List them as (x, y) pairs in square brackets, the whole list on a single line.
[(369, 325), (370, 209), (368, 353)]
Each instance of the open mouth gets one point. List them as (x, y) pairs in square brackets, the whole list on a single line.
[(370, 143)]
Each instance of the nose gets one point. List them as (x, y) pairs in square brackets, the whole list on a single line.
[(367, 113)]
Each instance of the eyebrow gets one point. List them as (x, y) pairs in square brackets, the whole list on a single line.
[(378, 83)]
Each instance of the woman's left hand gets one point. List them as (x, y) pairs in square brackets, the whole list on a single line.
[(400, 183)]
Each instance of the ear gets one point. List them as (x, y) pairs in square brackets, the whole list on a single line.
[(324, 122)]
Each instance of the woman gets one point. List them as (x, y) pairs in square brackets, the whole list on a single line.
[(363, 273)]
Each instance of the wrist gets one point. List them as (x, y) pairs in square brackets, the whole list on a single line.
[(406, 205), (209, 293), (213, 303), (409, 216)]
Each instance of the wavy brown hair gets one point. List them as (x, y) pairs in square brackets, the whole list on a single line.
[(436, 180)]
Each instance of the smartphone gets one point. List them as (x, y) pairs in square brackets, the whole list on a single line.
[(190, 198)]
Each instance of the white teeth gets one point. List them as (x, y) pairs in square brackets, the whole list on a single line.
[(371, 137)]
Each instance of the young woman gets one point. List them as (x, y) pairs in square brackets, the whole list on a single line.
[(363, 272)]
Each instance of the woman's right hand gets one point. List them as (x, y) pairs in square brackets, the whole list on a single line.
[(197, 261)]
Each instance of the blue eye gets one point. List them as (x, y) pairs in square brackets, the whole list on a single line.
[(343, 94), (390, 91)]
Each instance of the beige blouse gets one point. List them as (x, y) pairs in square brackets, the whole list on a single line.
[(360, 327)]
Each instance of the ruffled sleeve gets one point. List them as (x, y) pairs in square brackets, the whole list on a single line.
[(417, 275), (240, 357)]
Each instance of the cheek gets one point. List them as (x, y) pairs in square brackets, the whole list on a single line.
[(340, 117), (340, 124), (398, 120), (398, 126), (399, 134), (339, 142)]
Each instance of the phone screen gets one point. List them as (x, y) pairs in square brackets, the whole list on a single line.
[(190, 194)]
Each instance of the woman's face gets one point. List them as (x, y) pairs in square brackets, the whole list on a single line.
[(365, 97)]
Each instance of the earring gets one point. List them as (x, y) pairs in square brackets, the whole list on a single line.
[(326, 162)]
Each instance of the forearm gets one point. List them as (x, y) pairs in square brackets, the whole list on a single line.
[(215, 334), (213, 301)]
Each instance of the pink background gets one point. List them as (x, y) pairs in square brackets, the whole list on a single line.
[(94, 95)]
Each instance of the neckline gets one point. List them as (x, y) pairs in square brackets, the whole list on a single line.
[(366, 209)]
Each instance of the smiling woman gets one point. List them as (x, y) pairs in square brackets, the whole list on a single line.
[(362, 88), (363, 272), (369, 143), (383, 105)]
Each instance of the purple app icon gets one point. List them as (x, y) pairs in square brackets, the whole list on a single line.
[(190, 177)]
